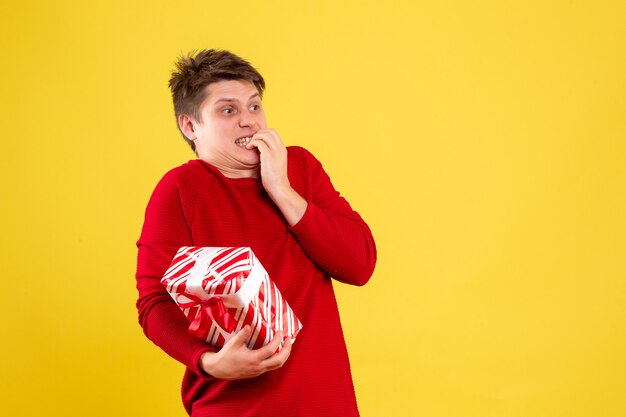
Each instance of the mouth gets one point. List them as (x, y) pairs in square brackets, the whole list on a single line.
[(243, 141)]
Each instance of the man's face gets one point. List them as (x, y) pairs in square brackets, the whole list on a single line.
[(229, 116)]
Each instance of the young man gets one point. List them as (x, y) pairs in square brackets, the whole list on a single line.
[(247, 189)]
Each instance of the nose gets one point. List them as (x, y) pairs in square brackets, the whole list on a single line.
[(246, 119), (252, 119)]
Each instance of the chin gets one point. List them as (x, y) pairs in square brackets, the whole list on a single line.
[(252, 159)]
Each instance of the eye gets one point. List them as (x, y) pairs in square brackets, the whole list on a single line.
[(228, 110), (255, 107)]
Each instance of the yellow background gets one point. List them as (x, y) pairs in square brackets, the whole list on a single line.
[(483, 141)]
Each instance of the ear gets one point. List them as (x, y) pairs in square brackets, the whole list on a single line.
[(187, 126)]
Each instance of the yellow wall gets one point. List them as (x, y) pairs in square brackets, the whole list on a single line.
[(484, 142)]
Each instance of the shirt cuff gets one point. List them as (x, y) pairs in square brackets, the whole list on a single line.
[(196, 363), (304, 225)]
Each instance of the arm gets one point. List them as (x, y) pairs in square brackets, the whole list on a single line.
[(333, 235), (165, 230), (331, 232)]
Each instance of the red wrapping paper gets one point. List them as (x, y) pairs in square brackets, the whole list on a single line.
[(222, 289)]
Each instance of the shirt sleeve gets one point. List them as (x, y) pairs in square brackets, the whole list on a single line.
[(165, 230), (331, 233)]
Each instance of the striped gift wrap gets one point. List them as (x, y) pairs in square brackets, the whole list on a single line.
[(222, 289)]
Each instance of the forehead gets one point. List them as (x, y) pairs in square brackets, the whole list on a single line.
[(232, 90)]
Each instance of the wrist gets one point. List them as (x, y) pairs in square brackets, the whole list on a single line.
[(290, 203), (207, 362), (280, 192)]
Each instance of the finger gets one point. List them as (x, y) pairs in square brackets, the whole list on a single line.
[(285, 350), (258, 143), (279, 359), (240, 337), (269, 136), (269, 350), (287, 343)]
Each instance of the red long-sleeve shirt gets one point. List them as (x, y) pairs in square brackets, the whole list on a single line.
[(196, 205)]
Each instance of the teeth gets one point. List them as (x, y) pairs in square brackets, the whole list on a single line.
[(243, 141)]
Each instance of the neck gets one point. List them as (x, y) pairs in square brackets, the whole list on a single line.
[(251, 171)]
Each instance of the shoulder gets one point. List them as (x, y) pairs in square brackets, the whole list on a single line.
[(190, 169), (190, 174), (306, 173), (183, 180), (298, 152), (178, 190), (302, 158)]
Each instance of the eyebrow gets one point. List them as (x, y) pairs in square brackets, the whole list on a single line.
[(230, 100)]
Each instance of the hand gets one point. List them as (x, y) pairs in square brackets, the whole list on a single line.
[(236, 361), (273, 156), (274, 178)]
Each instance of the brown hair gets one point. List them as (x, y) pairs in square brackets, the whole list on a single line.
[(196, 70)]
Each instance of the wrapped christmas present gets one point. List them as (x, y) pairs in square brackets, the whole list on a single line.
[(222, 289)]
